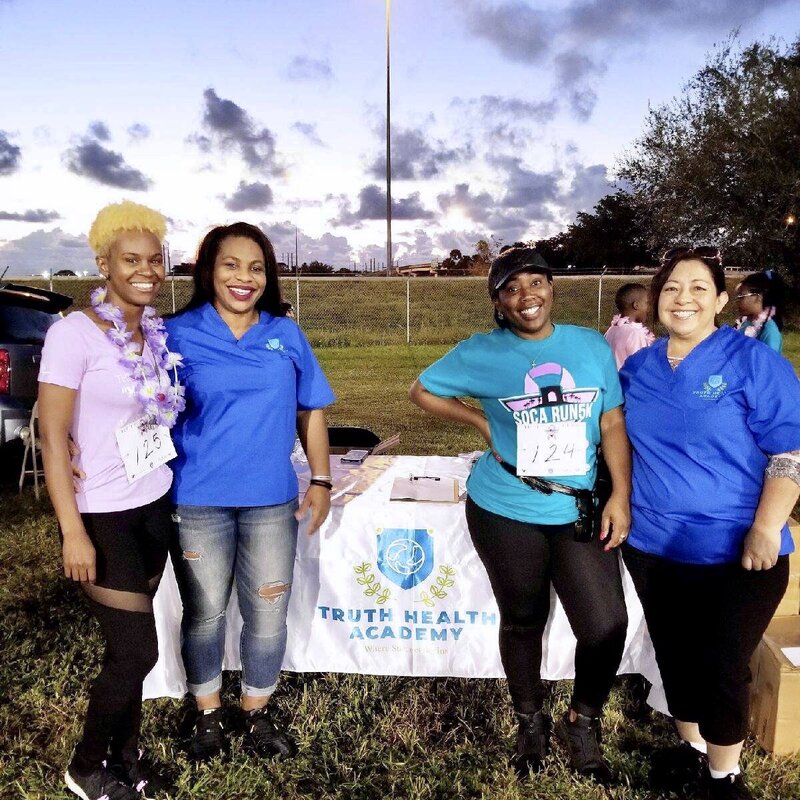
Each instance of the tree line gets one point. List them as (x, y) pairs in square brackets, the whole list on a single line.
[(718, 165)]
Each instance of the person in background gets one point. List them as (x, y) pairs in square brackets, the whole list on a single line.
[(549, 393), (714, 419), (759, 299), (251, 381), (628, 331), (104, 381)]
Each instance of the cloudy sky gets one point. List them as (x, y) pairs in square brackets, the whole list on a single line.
[(507, 115)]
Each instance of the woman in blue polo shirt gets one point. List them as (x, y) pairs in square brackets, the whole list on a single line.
[(714, 419), (251, 382), (549, 394)]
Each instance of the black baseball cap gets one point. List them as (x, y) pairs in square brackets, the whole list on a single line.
[(515, 260)]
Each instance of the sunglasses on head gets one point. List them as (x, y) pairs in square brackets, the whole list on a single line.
[(688, 251)]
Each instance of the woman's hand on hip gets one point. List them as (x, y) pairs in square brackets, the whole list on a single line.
[(79, 557), (761, 549), (616, 520), (317, 502)]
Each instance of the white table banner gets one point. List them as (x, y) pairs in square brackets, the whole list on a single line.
[(392, 588)]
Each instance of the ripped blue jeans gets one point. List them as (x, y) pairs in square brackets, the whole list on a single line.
[(257, 547)]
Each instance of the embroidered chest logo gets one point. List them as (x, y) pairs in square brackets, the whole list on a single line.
[(275, 344), (714, 387)]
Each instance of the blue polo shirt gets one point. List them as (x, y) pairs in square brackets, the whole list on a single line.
[(235, 438), (702, 435), (569, 376)]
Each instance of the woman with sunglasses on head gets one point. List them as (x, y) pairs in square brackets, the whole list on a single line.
[(759, 299), (104, 381), (549, 394), (252, 382), (714, 419)]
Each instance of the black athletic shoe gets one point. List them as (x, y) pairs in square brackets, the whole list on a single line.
[(208, 738), (731, 787), (264, 737), (143, 776), (533, 743), (99, 784), (582, 740), (680, 769)]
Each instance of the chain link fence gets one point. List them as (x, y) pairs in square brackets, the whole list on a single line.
[(354, 312)]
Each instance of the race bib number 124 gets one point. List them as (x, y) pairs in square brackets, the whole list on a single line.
[(548, 449)]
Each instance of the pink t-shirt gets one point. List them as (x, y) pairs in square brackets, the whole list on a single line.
[(78, 355), (627, 337)]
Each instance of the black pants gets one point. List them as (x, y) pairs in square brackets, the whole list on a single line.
[(522, 560), (131, 550), (705, 622)]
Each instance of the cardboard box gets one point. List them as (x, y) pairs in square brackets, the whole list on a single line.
[(775, 690), (790, 605)]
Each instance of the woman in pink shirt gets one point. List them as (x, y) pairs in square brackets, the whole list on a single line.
[(104, 380)]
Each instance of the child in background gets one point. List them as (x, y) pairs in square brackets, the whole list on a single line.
[(628, 333), (759, 299)]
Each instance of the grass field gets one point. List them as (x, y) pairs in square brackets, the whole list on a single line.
[(359, 312), (360, 737)]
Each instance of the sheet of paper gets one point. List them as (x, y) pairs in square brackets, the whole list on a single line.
[(425, 489), (793, 654)]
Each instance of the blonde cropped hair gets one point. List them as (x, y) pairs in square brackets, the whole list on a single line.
[(125, 216)]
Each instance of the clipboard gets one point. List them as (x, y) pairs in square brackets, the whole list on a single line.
[(425, 489)]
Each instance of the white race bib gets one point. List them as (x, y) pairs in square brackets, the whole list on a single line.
[(552, 448), (144, 447)]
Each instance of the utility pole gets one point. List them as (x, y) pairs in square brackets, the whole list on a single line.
[(388, 144), (296, 279)]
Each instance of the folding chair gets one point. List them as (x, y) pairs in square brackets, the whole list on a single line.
[(345, 437), (29, 435)]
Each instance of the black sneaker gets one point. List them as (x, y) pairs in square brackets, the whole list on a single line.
[(208, 738), (143, 776), (731, 787), (99, 784), (680, 769), (264, 737), (582, 740), (533, 743)]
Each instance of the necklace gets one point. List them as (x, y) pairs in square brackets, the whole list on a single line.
[(537, 358), (161, 404), (757, 323), (673, 361)]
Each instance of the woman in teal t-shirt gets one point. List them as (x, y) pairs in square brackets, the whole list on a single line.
[(548, 393), (759, 298)]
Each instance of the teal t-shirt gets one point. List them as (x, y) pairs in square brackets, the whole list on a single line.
[(770, 334), (569, 377)]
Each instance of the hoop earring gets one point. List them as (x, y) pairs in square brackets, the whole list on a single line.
[(500, 315)]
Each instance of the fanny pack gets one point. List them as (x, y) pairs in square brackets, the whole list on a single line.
[(590, 502)]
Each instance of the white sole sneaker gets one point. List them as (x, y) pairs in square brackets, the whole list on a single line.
[(73, 787)]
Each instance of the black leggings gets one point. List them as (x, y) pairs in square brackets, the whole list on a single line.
[(131, 549), (705, 621), (522, 559)]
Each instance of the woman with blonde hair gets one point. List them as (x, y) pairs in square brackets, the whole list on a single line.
[(104, 381)]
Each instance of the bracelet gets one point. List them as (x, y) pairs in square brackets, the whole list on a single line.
[(321, 478), (316, 482)]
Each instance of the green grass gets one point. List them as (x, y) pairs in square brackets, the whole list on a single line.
[(360, 737), (357, 312)]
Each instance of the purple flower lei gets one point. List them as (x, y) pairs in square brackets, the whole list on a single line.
[(161, 404)]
